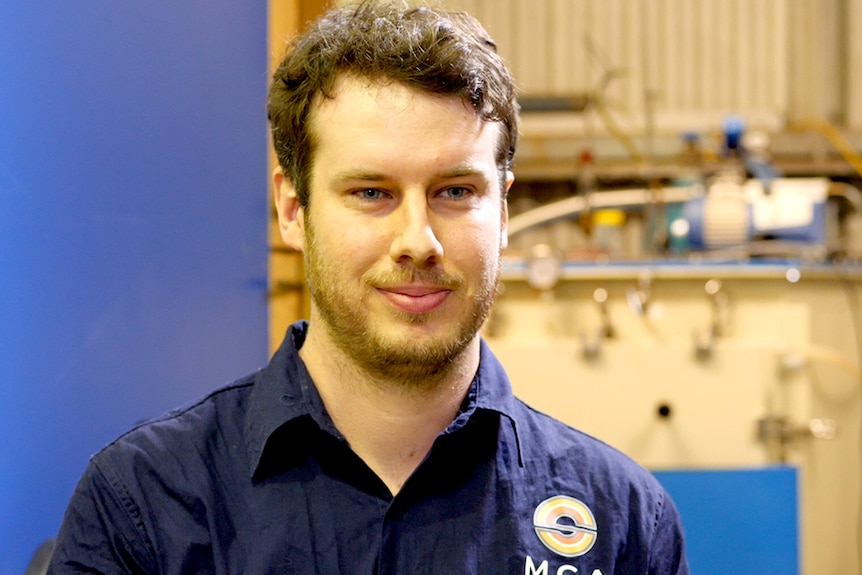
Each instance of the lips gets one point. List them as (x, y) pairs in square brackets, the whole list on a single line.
[(415, 299)]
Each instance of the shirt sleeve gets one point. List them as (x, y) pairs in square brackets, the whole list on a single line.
[(101, 531), (667, 552)]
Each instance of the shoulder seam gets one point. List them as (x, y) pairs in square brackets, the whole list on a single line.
[(118, 490), (659, 513), (176, 412)]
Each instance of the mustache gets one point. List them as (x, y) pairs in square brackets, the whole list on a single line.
[(413, 275)]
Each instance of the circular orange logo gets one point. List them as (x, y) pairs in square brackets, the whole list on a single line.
[(565, 525)]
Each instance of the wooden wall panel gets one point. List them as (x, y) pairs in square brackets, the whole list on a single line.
[(288, 298)]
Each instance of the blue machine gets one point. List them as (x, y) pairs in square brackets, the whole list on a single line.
[(732, 214)]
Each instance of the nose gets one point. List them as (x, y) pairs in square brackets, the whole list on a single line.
[(414, 239)]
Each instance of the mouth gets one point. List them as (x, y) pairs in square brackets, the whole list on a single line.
[(415, 299)]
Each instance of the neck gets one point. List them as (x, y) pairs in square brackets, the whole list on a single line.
[(389, 424)]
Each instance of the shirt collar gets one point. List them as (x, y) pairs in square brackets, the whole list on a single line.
[(494, 391), (284, 392)]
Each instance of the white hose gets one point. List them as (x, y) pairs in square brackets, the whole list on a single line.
[(569, 207)]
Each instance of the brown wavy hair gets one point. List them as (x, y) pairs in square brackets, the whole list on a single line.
[(426, 48)]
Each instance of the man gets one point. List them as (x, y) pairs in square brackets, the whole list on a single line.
[(383, 436)]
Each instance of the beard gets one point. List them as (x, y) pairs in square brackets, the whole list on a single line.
[(415, 363)]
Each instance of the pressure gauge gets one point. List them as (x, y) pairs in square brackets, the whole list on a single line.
[(544, 267)]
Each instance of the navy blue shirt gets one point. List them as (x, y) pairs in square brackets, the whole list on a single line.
[(255, 479)]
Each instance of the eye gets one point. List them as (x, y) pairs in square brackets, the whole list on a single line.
[(456, 193), (369, 194)]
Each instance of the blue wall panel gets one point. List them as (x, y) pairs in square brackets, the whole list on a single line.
[(740, 521), (133, 160)]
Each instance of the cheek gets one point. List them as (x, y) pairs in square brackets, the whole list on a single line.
[(335, 235), (492, 234), (355, 249), (476, 246)]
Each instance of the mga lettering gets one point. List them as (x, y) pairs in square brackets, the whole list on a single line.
[(530, 567), (543, 568)]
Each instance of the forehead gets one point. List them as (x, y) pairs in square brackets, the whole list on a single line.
[(355, 98), (360, 111)]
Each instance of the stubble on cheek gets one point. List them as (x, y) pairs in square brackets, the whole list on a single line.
[(349, 315)]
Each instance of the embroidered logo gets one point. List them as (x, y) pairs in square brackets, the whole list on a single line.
[(565, 525)]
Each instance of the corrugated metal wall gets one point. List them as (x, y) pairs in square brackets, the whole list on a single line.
[(779, 59)]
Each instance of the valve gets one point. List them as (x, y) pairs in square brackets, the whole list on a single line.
[(779, 433)]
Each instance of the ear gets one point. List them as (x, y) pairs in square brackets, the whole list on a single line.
[(504, 237), (291, 218)]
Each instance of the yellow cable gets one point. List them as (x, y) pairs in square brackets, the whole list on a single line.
[(837, 139)]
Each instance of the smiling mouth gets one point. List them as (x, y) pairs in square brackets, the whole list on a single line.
[(415, 299)]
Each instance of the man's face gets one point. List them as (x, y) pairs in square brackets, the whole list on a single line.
[(404, 227)]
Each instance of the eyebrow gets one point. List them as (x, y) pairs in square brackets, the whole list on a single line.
[(460, 171), (363, 175), (466, 170)]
